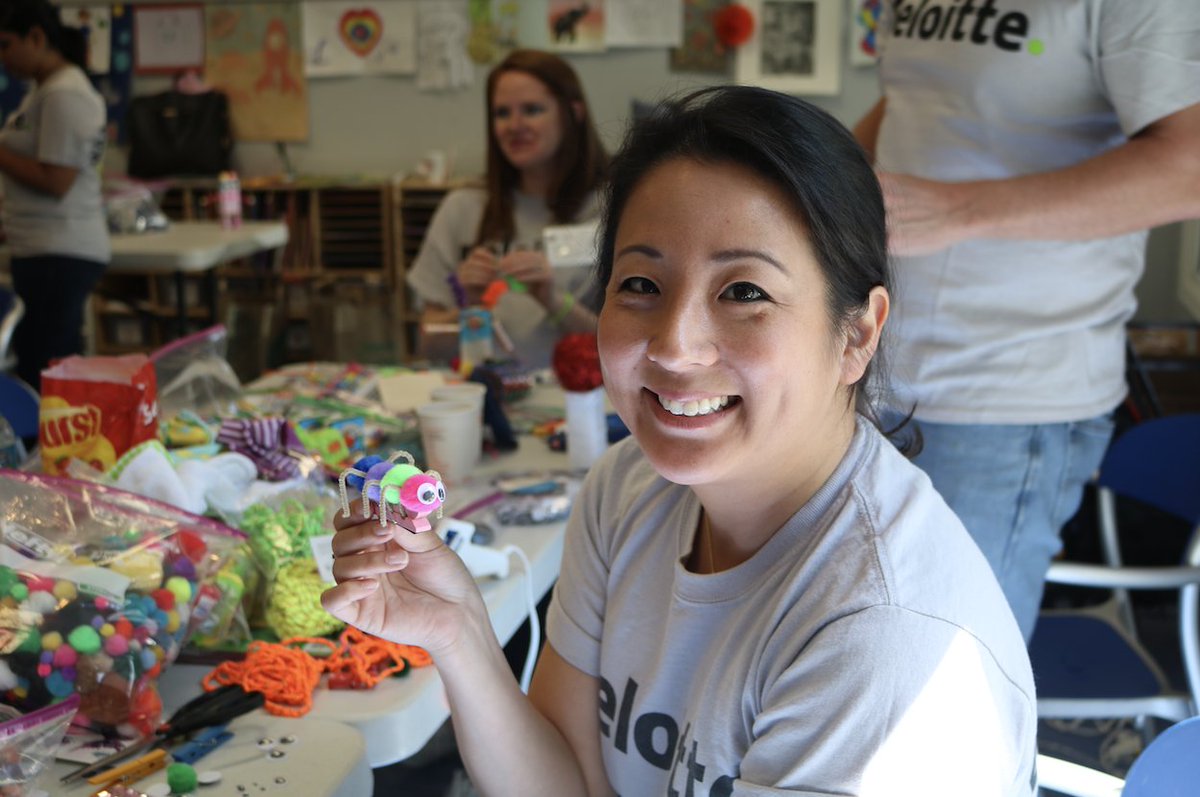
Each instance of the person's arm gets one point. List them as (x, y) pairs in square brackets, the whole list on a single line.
[(49, 178), (446, 240), (556, 691), (867, 129), (1152, 179), (568, 312), (546, 744), (411, 588), (563, 309)]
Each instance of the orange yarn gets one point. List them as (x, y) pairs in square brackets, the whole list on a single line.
[(287, 674), (361, 660)]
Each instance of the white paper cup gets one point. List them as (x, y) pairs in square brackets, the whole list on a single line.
[(450, 434), (587, 427), (472, 393), (468, 392)]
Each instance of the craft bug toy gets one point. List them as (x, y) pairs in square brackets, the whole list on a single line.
[(412, 494)]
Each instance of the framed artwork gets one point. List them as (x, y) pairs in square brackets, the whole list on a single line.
[(168, 38), (255, 54), (358, 38), (796, 47)]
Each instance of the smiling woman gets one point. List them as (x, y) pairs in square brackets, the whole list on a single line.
[(545, 165), (759, 593)]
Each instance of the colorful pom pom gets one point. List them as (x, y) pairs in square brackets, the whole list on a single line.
[(181, 778), (85, 639)]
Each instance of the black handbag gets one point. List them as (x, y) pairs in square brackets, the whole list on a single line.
[(173, 133)]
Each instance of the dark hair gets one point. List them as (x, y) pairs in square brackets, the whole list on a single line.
[(804, 151), (22, 16), (580, 164)]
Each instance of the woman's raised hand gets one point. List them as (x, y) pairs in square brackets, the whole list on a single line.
[(478, 270), (405, 587), (530, 267)]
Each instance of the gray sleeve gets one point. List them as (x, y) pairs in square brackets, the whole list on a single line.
[(888, 701), (66, 133), (575, 619), (1149, 58), (453, 227)]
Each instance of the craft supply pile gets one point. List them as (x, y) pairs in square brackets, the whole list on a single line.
[(176, 514)]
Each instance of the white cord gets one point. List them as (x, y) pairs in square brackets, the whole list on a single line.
[(535, 627)]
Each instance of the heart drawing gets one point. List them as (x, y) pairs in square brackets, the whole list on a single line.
[(361, 29)]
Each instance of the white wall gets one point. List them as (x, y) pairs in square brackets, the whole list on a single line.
[(382, 125)]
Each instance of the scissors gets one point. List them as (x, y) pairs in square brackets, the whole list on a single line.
[(208, 709)]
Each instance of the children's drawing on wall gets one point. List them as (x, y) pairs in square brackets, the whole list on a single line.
[(643, 23), (255, 55), (443, 27), (576, 25), (702, 50), (864, 15), (95, 22), (506, 17), (493, 29), (167, 39), (359, 38)]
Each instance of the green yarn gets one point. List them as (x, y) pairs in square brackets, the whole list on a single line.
[(294, 608), (277, 536)]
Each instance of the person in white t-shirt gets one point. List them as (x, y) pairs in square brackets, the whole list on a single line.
[(1024, 148), (759, 594), (545, 165), (51, 147)]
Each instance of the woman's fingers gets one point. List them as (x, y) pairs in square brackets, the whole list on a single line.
[(527, 266), (341, 520), (340, 600), (369, 563), (366, 549), (416, 542), (359, 535), (478, 269)]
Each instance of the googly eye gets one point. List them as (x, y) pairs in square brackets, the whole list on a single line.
[(427, 494), (441, 491)]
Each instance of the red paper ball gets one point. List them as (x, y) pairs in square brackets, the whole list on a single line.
[(733, 24), (576, 362)]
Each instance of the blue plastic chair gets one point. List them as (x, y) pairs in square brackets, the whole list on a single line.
[(1166, 768), (1088, 663), (19, 405)]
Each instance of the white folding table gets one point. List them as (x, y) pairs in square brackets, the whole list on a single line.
[(191, 247)]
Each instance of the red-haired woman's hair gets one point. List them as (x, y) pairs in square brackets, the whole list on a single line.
[(580, 165)]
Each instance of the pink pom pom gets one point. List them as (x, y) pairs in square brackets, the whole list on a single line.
[(116, 645), (65, 656)]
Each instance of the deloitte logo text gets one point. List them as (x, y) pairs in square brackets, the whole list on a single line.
[(965, 21)]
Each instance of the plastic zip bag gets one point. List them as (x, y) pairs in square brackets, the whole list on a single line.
[(28, 744), (101, 589)]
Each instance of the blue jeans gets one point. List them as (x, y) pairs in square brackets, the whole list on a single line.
[(55, 290), (1014, 487)]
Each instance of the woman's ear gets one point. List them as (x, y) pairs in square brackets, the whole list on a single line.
[(862, 335), (579, 111)]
